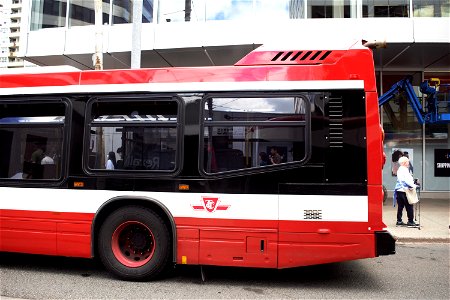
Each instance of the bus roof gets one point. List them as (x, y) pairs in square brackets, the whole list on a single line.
[(260, 65)]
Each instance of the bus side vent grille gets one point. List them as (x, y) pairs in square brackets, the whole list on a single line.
[(312, 214), (302, 56), (335, 114)]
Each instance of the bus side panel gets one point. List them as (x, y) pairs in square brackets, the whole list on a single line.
[(376, 208), (227, 242), (20, 232), (42, 232), (374, 142), (188, 241), (74, 239), (238, 248), (303, 249)]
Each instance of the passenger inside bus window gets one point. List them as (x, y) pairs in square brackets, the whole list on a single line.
[(275, 157), (111, 162), (119, 163)]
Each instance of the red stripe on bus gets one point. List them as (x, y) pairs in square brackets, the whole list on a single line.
[(44, 232)]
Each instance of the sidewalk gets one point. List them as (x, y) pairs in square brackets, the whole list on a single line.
[(434, 221)]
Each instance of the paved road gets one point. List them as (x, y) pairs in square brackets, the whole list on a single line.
[(418, 271)]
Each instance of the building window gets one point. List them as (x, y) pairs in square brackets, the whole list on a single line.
[(431, 8), (332, 9), (437, 138), (82, 12), (403, 133), (385, 8), (48, 14), (122, 11)]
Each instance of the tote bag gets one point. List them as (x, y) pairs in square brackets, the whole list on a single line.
[(412, 196)]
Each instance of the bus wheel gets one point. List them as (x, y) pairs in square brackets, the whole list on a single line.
[(134, 243)]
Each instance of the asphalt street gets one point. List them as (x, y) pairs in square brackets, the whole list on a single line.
[(417, 271)]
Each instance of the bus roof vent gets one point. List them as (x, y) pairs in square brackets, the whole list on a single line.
[(301, 56), (335, 114), (291, 57)]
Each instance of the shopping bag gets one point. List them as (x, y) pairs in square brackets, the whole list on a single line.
[(411, 194)]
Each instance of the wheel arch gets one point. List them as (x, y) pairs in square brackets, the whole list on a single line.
[(114, 203)]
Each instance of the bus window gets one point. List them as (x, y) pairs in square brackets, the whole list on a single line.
[(133, 135), (250, 132), (32, 140)]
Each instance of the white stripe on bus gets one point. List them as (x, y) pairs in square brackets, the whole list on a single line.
[(235, 206), (189, 87)]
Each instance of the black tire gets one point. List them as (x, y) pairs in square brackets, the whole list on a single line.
[(134, 243)]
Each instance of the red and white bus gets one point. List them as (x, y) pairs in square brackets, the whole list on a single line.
[(274, 162)]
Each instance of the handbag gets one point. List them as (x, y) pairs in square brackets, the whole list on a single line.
[(411, 195)]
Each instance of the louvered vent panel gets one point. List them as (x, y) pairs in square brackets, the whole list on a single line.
[(335, 114), (306, 57)]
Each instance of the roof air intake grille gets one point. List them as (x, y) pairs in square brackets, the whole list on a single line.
[(301, 56)]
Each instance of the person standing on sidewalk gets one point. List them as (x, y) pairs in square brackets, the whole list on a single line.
[(404, 181)]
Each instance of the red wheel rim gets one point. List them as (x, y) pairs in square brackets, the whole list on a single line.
[(133, 244)]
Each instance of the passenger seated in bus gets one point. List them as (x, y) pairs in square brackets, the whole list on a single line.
[(26, 172), (47, 160), (37, 154), (111, 162), (119, 163), (263, 159), (275, 158)]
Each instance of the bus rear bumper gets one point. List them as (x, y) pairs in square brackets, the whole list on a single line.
[(384, 243)]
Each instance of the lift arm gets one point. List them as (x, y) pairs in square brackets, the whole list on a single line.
[(432, 115)]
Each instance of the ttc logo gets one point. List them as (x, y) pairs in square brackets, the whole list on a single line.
[(210, 204)]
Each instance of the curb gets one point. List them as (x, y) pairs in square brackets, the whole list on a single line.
[(404, 240)]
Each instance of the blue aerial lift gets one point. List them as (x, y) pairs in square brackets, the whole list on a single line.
[(432, 114)]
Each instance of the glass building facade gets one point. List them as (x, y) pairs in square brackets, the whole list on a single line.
[(70, 13), (60, 13)]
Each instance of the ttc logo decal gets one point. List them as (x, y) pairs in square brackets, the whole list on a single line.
[(211, 204)]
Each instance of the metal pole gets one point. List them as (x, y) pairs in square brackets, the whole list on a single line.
[(136, 35), (98, 56)]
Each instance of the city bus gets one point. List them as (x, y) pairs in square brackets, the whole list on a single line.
[(273, 162)]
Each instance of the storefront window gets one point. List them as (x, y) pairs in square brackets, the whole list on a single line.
[(48, 14), (403, 133), (437, 138), (385, 8), (431, 8)]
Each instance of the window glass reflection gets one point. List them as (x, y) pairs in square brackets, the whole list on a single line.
[(32, 138), (48, 14), (82, 12), (332, 9), (385, 8), (437, 137), (259, 108), (132, 148), (431, 8), (244, 133)]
